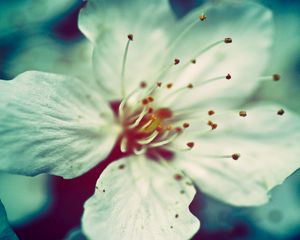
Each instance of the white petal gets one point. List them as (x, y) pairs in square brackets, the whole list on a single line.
[(23, 196), (5, 230), (53, 123), (269, 152), (140, 200), (108, 24), (250, 27)]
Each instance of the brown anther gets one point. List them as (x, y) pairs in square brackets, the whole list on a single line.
[(243, 113), (178, 177), (276, 77), (193, 61), (228, 76), (176, 61), (211, 112), (159, 84), (169, 85), (214, 126), (151, 99), (130, 37), (121, 166), (202, 17), (227, 40), (185, 125), (209, 123), (176, 215), (235, 156), (280, 112), (143, 84), (190, 86), (190, 144), (145, 101), (178, 129), (150, 110)]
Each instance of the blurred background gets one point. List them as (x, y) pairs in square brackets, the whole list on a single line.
[(43, 35)]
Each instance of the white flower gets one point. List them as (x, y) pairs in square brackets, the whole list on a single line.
[(174, 112)]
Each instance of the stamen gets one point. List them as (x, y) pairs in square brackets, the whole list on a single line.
[(148, 139), (211, 112), (139, 151), (235, 156), (227, 40), (190, 144), (206, 49), (139, 119), (176, 61), (145, 101), (202, 17), (228, 76), (169, 85), (212, 80), (280, 112), (193, 61), (185, 125), (275, 77), (123, 91), (164, 142), (143, 84), (243, 113)]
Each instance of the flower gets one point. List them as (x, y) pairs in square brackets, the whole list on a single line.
[(176, 92)]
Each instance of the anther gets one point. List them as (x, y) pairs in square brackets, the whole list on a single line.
[(276, 77), (145, 101), (280, 112), (158, 84), (211, 112), (169, 85), (176, 61), (243, 113), (190, 86), (130, 37), (228, 76), (185, 125), (178, 177), (214, 126), (151, 99), (235, 156), (143, 84), (193, 61), (202, 17), (190, 144), (150, 110), (178, 129), (227, 40)]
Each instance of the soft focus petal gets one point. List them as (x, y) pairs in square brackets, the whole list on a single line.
[(23, 197), (107, 24), (269, 152), (140, 199), (5, 230), (250, 27), (53, 123)]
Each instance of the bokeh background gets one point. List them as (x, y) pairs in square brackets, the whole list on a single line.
[(43, 35)]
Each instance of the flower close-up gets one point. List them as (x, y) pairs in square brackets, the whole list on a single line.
[(170, 102)]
